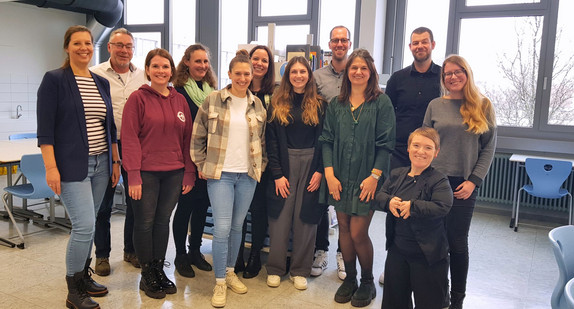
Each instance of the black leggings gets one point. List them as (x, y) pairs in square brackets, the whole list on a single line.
[(191, 210), (457, 228), (160, 191)]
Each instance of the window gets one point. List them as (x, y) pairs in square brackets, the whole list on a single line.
[(144, 12), (294, 7), (489, 2), (284, 35), (183, 27), (233, 33), (336, 13), (144, 42)]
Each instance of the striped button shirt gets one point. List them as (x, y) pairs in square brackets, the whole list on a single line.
[(211, 132), (95, 111)]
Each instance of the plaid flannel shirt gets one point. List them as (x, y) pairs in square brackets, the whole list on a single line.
[(211, 131)]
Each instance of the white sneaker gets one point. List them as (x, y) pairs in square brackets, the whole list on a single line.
[(382, 278), (234, 283), (219, 297), (299, 282), (341, 266), (273, 281), (319, 263)]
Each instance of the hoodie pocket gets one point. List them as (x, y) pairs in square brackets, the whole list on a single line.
[(212, 119)]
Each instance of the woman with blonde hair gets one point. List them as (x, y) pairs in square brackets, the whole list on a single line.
[(465, 120), (295, 124), (195, 81)]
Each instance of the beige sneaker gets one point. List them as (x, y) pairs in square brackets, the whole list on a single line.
[(299, 282), (219, 297), (234, 283), (273, 281)]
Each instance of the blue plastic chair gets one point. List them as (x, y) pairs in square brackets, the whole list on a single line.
[(562, 239), (569, 292), (31, 166), (547, 177), (22, 136)]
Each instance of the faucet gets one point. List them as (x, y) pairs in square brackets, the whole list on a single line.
[(18, 111)]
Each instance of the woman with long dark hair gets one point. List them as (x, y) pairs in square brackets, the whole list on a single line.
[(465, 120), (358, 137)]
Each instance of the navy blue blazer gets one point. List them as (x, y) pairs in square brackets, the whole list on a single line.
[(62, 121)]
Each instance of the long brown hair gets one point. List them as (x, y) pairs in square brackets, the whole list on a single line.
[(268, 84), (162, 53), (68, 38), (283, 97), (183, 71), (476, 110), (373, 90)]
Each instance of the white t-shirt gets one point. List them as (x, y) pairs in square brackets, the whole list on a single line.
[(237, 152)]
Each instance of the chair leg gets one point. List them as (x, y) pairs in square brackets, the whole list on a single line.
[(5, 200), (517, 211), (570, 210)]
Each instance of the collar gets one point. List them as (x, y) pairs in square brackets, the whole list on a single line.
[(108, 67), (333, 70), (226, 95), (433, 69)]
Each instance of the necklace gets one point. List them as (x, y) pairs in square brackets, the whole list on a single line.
[(356, 120)]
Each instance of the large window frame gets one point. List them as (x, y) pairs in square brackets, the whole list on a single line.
[(541, 137)]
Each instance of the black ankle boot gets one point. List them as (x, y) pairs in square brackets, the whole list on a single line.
[(78, 297), (149, 282), (93, 288), (167, 285), (349, 286), (365, 293), (253, 265), (456, 300), (183, 266), (199, 261)]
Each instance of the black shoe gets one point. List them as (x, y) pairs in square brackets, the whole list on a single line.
[(183, 266), (150, 284), (253, 265), (93, 288), (132, 259), (239, 264), (346, 290), (199, 261), (364, 294), (167, 285), (78, 297), (456, 300)]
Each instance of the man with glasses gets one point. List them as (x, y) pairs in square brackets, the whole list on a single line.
[(410, 90), (329, 79), (124, 79)]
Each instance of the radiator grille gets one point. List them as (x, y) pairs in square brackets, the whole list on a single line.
[(499, 184)]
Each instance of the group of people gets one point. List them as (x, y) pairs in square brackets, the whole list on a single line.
[(283, 152)]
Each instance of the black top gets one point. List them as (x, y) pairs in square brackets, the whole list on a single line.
[(405, 239), (299, 134), (410, 92)]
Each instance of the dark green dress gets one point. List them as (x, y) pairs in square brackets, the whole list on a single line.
[(354, 146)]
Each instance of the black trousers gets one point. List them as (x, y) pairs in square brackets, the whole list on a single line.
[(259, 221), (191, 211), (102, 237), (457, 228), (405, 276), (160, 192)]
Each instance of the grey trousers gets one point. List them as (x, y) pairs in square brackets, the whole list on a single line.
[(289, 221)]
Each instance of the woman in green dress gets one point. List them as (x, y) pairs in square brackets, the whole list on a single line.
[(358, 138)]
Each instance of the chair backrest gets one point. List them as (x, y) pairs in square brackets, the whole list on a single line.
[(547, 176), (32, 166), (22, 136), (562, 239)]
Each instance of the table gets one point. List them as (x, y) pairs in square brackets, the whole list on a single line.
[(520, 159)]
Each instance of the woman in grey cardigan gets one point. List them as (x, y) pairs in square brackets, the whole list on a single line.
[(465, 120)]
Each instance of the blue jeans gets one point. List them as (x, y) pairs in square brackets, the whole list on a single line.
[(230, 198), (82, 200)]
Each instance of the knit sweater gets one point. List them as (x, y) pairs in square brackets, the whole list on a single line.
[(462, 153)]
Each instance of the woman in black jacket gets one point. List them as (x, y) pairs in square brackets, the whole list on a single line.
[(292, 136), (417, 200)]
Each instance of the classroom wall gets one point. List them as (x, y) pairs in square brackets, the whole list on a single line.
[(31, 41)]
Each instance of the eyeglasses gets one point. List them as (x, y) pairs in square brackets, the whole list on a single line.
[(121, 46), (336, 41), (457, 73)]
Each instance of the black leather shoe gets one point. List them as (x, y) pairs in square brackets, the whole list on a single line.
[(93, 288), (197, 259), (167, 285), (183, 266), (253, 265)]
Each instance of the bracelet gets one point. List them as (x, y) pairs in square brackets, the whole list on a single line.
[(378, 173), (377, 177), (117, 162)]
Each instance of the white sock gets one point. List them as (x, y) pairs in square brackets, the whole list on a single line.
[(229, 269), (219, 280)]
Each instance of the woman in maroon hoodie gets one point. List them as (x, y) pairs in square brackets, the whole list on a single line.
[(156, 135)]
